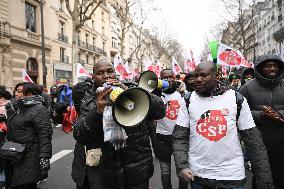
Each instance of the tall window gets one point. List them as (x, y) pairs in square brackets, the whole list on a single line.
[(104, 44), (79, 57), (32, 65), (30, 17), (87, 36), (87, 59), (94, 41), (61, 27), (103, 15), (103, 30), (93, 24), (62, 52)]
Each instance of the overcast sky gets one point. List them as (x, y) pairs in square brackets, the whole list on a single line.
[(189, 20)]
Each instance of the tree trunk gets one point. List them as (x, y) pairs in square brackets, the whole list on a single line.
[(122, 48), (75, 51)]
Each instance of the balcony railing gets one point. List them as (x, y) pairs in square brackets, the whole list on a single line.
[(65, 59), (5, 28), (33, 35), (62, 37), (99, 50), (279, 35), (82, 44), (90, 47), (5, 33)]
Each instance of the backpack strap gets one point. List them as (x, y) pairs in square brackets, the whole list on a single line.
[(187, 99), (239, 102)]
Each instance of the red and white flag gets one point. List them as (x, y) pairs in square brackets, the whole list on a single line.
[(26, 77), (189, 65), (230, 57), (82, 72), (149, 65), (186, 66), (155, 68), (121, 69), (175, 66), (224, 71)]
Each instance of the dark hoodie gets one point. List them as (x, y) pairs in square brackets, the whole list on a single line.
[(244, 72), (262, 91)]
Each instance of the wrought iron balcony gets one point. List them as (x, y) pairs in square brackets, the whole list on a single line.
[(5, 33), (62, 37), (99, 50), (279, 35)]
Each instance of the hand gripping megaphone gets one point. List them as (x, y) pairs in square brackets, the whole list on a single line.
[(131, 107), (149, 81)]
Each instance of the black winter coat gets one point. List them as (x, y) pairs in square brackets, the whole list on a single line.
[(135, 160), (28, 122), (266, 92), (79, 168)]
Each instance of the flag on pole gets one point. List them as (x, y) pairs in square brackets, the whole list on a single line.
[(155, 69), (189, 65), (82, 72), (186, 66), (120, 68), (191, 55), (224, 71), (175, 66), (230, 57), (26, 77), (213, 46)]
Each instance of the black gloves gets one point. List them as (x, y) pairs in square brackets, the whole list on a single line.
[(44, 167)]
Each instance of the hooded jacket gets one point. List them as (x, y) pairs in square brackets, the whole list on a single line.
[(66, 95), (28, 123), (244, 72), (261, 92)]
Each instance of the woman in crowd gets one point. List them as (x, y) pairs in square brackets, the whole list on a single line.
[(28, 123)]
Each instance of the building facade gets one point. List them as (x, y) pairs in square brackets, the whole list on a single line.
[(21, 45), (263, 30)]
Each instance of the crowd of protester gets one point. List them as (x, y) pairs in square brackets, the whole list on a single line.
[(212, 126)]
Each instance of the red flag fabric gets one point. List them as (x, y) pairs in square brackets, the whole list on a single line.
[(231, 57), (175, 66), (82, 72), (189, 65), (26, 77), (224, 71), (155, 69), (123, 72)]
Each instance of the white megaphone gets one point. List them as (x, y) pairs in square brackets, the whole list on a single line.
[(149, 81), (131, 107)]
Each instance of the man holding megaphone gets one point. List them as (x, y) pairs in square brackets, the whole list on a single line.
[(125, 163)]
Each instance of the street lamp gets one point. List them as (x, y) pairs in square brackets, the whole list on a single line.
[(44, 68)]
